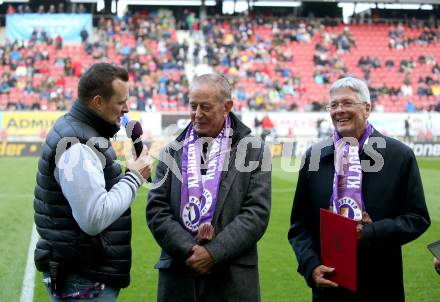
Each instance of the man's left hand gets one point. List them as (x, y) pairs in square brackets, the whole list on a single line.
[(360, 226), (201, 260), (359, 229), (366, 219)]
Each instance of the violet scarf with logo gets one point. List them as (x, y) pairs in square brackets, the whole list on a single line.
[(347, 197), (199, 192)]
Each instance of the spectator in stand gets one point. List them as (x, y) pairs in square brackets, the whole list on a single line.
[(407, 126), (267, 127), (81, 9), (406, 89), (410, 107), (10, 10), (58, 42), (389, 64), (190, 20), (423, 89), (84, 35), (61, 9), (51, 9)]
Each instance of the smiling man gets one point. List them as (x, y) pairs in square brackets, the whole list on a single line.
[(82, 198), (387, 202), (208, 221), (348, 112)]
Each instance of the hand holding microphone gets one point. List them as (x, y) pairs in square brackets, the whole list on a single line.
[(141, 165)]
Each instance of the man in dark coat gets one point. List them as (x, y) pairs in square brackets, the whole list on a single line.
[(392, 202), (210, 258)]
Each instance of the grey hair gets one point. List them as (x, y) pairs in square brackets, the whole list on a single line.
[(357, 85), (216, 80)]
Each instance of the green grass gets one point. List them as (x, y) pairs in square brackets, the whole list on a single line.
[(279, 279), (17, 180)]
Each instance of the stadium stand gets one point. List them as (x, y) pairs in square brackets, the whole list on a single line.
[(38, 74), (274, 64), (291, 64)]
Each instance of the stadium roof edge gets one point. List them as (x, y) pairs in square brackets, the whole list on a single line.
[(252, 2), (182, 2), (384, 1), (357, 1)]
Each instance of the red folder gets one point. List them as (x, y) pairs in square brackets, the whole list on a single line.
[(339, 248)]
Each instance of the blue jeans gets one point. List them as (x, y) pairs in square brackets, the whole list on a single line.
[(75, 283)]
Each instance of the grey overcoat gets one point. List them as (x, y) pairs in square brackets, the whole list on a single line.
[(240, 220)]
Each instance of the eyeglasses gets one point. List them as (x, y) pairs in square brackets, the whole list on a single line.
[(344, 105)]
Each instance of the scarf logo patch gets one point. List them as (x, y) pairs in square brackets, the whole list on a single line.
[(195, 209), (349, 208)]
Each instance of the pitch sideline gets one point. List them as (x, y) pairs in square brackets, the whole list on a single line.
[(27, 290)]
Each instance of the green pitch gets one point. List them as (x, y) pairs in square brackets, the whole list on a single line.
[(279, 279)]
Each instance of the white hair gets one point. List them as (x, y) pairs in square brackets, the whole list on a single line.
[(357, 85), (216, 80)]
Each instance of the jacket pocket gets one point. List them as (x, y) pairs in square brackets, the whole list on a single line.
[(246, 260)]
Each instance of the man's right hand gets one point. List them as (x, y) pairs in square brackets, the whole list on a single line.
[(201, 260), (141, 165), (318, 276)]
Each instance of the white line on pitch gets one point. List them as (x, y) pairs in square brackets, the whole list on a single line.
[(27, 290)]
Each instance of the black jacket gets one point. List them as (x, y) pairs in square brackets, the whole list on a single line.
[(393, 198), (105, 257)]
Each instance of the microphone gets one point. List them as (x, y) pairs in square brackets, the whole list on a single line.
[(134, 132)]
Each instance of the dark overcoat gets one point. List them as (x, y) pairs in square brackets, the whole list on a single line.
[(393, 195)]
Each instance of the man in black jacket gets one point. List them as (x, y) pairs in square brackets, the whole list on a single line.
[(82, 198), (379, 178)]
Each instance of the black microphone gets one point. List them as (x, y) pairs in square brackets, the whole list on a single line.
[(134, 132)]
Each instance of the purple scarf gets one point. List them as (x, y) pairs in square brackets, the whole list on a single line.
[(347, 198), (199, 192)]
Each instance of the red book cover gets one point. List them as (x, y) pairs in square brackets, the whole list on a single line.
[(339, 248)]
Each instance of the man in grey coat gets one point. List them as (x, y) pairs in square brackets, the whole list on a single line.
[(210, 202)]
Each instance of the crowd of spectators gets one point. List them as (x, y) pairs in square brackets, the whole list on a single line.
[(326, 58), (427, 33), (258, 55), (257, 51), (255, 54), (60, 8), (427, 85), (41, 74)]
